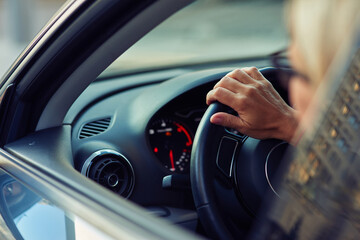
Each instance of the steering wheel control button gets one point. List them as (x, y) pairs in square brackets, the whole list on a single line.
[(235, 132), (225, 155), (112, 170)]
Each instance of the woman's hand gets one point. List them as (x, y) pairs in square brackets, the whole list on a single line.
[(262, 113)]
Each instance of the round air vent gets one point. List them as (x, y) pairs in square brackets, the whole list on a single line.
[(112, 170)]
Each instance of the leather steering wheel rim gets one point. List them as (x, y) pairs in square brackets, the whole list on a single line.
[(202, 173), (204, 168)]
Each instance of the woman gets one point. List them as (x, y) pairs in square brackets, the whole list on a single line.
[(319, 30)]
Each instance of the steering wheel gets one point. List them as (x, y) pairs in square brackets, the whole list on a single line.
[(230, 173)]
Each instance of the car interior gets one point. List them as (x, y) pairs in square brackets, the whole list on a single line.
[(132, 132)]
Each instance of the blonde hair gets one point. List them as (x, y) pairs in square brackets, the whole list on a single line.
[(319, 28)]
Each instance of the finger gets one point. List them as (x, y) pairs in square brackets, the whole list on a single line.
[(230, 84), (253, 72), (222, 95), (235, 122), (227, 120), (241, 76)]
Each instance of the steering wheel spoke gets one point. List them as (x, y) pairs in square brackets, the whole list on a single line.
[(226, 155)]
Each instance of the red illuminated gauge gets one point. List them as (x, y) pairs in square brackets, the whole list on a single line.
[(171, 142)]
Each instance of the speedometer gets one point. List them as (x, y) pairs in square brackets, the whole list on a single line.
[(171, 142)]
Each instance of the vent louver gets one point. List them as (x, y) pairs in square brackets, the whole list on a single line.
[(110, 169), (94, 128)]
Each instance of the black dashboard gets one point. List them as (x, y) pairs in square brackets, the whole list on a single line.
[(133, 133), (142, 134)]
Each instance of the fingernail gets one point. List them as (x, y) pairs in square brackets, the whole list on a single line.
[(215, 120)]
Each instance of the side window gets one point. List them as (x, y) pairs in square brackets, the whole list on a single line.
[(209, 31), (29, 216)]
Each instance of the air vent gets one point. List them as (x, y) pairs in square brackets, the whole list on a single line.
[(110, 169), (94, 128)]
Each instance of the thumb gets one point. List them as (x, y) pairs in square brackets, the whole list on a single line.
[(227, 120)]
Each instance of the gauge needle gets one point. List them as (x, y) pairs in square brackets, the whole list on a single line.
[(164, 130), (172, 161)]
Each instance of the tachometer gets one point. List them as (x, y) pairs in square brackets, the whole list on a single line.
[(171, 142)]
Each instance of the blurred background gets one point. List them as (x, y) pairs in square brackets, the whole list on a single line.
[(20, 21), (206, 31)]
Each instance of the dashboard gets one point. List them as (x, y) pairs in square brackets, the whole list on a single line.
[(138, 136), (133, 135)]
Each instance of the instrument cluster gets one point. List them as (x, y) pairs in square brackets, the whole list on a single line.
[(171, 137)]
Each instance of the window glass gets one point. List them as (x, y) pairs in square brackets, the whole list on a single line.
[(33, 218), (207, 31)]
